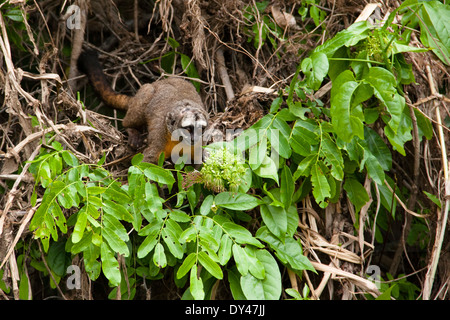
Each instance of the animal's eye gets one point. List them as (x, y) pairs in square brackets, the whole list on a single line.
[(170, 119)]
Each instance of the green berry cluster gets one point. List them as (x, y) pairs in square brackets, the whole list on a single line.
[(223, 171)]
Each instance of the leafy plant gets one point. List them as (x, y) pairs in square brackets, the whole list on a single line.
[(263, 27), (223, 171), (310, 6), (199, 243), (207, 229), (15, 25), (433, 18)]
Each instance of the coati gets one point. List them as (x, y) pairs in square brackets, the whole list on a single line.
[(170, 108)]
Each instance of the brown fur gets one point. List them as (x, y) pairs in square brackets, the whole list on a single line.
[(163, 106)]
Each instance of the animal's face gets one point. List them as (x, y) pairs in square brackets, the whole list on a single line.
[(188, 120)]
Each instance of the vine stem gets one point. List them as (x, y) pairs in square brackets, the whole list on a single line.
[(442, 217)]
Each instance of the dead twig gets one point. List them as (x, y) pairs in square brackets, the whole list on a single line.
[(365, 284), (224, 74), (442, 216), (12, 193)]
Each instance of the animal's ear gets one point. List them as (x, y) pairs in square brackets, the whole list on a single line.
[(201, 120)]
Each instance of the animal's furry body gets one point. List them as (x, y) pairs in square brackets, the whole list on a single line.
[(162, 106)]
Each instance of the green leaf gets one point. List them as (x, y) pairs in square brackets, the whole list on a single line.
[(159, 257), (346, 123), (279, 136), (137, 159), (333, 157), (69, 159), (179, 216), (304, 135), (91, 262), (424, 125), (304, 167), (167, 62), (112, 223), (348, 37), (117, 210), (321, 188), (433, 198), (55, 163), (240, 234), (80, 225), (258, 153), (290, 252), (395, 108), (296, 109), (402, 136), (241, 259), (356, 193), (154, 226), (270, 287), (383, 83), (57, 257), (400, 48), (252, 135), (287, 187), (116, 193), (317, 14), (275, 201), (208, 242), (15, 15), (110, 266), (25, 285), (225, 249), (188, 235), (378, 148), (255, 267), (236, 201), (93, 190), (187, 264), (275, 219), (171, 234), (160, 175), (315, 68), (292, 220), (196, 285), (115, 242), (235, 285), (148, 244), (276, 104), (267, 169), (192, 196), (212, 267), (207, 203), (152, 198), (189, 67), (388, 200), (373, 167), (435, 28), (246, 181), (387, 294)]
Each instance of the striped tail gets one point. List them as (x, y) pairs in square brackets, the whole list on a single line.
[(88, 63)]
